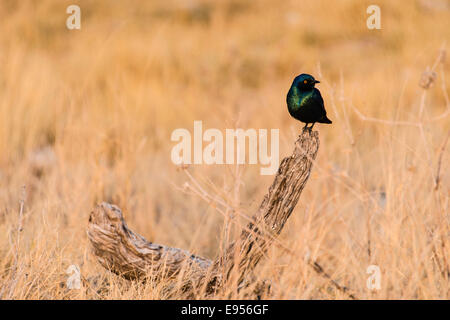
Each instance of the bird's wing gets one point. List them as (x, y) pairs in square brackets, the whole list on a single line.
[(318, 100)]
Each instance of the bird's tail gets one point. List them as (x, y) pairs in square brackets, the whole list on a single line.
[(325, 120)]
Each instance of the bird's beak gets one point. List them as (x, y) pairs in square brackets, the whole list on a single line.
[(316, 81)]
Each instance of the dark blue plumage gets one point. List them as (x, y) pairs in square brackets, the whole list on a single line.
[(305, 102)]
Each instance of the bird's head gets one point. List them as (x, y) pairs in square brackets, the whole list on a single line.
[(305, 82)]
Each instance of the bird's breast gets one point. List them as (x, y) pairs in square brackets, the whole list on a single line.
[(293, 100)]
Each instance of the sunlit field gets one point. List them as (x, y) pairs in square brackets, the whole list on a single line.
[(87, 115)]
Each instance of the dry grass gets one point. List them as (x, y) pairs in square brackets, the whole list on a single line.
[(86, 116)]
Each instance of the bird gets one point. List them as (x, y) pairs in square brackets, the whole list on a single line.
[(305, 103)]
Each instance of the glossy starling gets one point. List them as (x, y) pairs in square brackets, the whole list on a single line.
[(305, 102)]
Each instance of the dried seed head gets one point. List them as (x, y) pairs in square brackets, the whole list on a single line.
[(427, 79)]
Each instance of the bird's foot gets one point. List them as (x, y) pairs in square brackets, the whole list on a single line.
[(307, 129)]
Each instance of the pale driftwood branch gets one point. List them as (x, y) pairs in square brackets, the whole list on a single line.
[(128, 254), (125, 253)]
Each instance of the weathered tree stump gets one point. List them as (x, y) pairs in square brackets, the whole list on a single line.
[(129, 255)]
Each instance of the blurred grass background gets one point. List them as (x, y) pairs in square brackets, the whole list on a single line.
[(86, 116)]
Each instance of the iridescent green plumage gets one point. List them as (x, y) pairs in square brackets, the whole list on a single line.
[(305, 102)]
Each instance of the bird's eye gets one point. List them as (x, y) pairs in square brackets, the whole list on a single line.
[(305, 81)]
